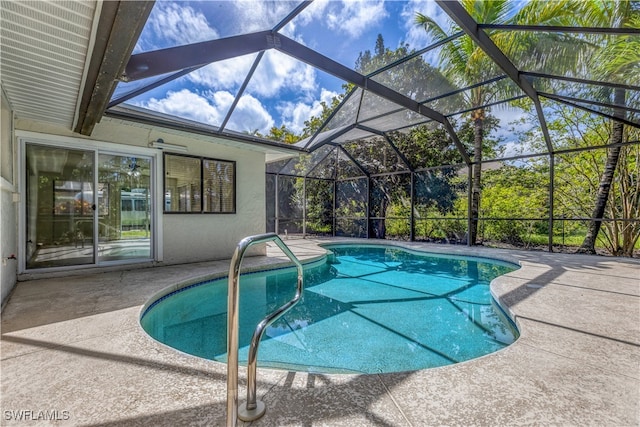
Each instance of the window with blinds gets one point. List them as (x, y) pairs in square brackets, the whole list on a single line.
[(199, 185)]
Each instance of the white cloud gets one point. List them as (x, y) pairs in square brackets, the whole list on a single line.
[(211, 109), (417, 36), (295, 114), (172, 24), (313, 12), (227, 74), (250, 115), (188, 105), (278, 72), (251, 16), (355, 16)]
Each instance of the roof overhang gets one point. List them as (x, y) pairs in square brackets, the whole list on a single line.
[(60, 60), (118, 29)]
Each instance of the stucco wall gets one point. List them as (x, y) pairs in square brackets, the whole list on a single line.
[(198, 237), (8, 226), (8, 209), (193, 237), (202, 237)]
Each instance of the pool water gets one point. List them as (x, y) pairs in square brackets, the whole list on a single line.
[(370, 309)]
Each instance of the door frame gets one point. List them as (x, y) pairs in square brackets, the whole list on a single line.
[(96, 147)]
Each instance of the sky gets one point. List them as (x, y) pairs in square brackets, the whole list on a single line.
[(283, 91)]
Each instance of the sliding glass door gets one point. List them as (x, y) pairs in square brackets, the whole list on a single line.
[(85, 207), (59, 215), (124, 216)]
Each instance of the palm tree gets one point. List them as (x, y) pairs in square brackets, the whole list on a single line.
[(465, 64), (614, 60)]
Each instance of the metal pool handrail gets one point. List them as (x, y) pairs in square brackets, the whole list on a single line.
[(252, 409)]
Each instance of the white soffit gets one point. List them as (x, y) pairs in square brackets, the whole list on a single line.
[(44, 47)]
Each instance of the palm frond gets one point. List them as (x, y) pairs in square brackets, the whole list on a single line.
[(430, 26)]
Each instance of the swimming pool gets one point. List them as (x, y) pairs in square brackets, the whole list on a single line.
[(368, 309)]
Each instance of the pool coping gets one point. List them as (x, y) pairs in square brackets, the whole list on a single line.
[(75, 344)]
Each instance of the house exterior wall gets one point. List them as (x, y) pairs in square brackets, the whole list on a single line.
[(202, 237), (184, 238), (8, 207)]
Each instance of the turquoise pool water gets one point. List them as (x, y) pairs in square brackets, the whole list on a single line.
[(370, 309)]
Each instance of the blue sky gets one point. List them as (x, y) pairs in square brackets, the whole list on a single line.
[(283, 90)]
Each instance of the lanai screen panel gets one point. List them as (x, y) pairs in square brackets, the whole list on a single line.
[(357, 26), (510, 129), (353, 135), (521, 12), (295, 166), (583, 129), (319, 206), (515, 203), (276, 167), (440, 204), (351, 207), (347, 113), (440, 191), (426, 146), (176, 23), (416, 78), (375, 155), (290, 204), (375, 106), (599, 57), (573, 195), (129, 89), (599, 97), (323, 163), (486, 94), (305, 163), (390, 207), (609, 61), (627, 113), (205, 95), (464, 65), (342, 119), (394, 121), (280, 89), (346, 167)]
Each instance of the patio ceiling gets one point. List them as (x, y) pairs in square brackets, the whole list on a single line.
[(60, 59)]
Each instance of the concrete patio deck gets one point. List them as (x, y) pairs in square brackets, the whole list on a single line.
[(73, 353)]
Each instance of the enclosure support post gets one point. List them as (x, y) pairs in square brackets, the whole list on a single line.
[(333, 231), (368, 207), (552, 166), (277, 209), (469, 201), (412, 225), (304, 207)]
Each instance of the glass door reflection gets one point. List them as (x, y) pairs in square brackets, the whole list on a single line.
[(59, 206), (124, 207)]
